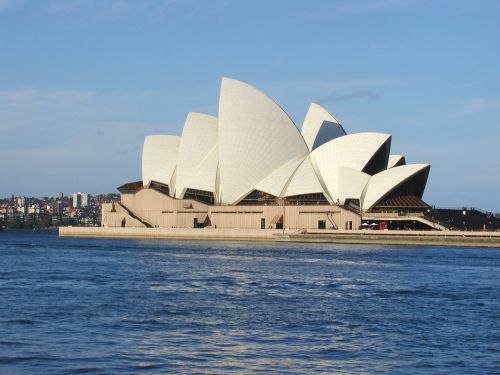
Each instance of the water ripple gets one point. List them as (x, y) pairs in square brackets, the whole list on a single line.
[(94, 306)]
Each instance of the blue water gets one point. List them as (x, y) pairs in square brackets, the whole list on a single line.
[(121, 306)]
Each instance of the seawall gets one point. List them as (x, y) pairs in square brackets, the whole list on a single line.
[(171, 233), (411, 238), (375, 237)]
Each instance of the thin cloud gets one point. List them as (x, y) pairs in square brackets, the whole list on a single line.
[(116, 8), (68, 6), (348, 84), (29, 96), (353, 7), (16, 98), (478, 105), (334, 97), (4, 4)]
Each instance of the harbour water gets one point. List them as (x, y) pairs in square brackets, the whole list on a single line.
[(122, 306)]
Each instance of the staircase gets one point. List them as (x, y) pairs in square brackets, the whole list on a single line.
[(427, 221), (433, 223), (143, 221)]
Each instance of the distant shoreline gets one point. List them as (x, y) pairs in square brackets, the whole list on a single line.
[(28, 229)]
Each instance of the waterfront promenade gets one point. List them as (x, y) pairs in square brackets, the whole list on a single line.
[(416, 238)]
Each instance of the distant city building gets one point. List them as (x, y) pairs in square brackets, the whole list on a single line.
[(22, 205), (21, 201), (58, 208), (80, 200), (77, 200), (52, 211), (85, 201)]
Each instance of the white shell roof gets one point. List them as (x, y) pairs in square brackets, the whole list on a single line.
[(254, 144), (159, 159), (351, 184), (352, 151), (199, 139), (256, 137), (384, 182), (304, 181), (320, 127), (276, 181), (204, 175), (395, 160)]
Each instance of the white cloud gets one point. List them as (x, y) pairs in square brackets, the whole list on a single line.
[(335, 85), (295, 96), (16, 98), (71, 140), (96, 160), (30, 96), (118, 8), (477, 105), (356, 7), (53, 109), (7, 5), (4, 4)]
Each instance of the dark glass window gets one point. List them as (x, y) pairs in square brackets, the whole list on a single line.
[(259, 198), (307, 199), (202, 196), (158, 186)]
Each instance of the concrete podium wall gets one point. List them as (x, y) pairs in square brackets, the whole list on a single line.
[(160, 210)]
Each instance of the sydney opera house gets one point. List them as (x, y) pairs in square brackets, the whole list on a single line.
[(250, 167)]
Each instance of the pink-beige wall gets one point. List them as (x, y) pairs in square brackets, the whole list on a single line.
[(163, 211), (114, 216)]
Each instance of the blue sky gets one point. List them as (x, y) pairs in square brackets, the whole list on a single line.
[(82, 82)]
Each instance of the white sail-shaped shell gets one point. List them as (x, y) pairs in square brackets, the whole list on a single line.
[(353, 151), (204, 176), (276, 181), (159, 159), (351, 184), (199, 139), (386, 181), (320, 127), (395, 161), (256, 137), (304, 181), (254, 145)]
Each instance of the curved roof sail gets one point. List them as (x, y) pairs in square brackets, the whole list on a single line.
[(320, 127), (198, 140), (204, 176), (276, 181), (351, 184), (355, 151), (304, 181), (253, 145), (396, 161), (385, 182), (256, 137), (159, 159)]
